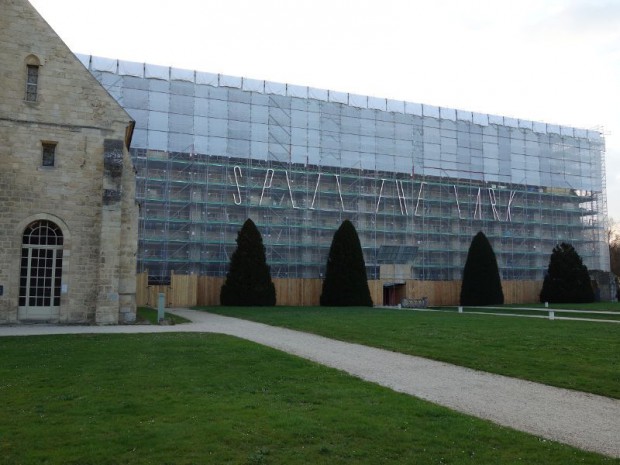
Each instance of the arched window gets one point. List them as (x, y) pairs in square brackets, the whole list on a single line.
[(41, 265), (32, 78)]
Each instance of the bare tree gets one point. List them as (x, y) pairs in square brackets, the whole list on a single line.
[(612, 235)]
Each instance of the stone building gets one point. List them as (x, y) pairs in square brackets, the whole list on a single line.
[(68, 216)]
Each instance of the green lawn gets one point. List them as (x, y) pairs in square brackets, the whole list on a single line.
[(600, 306), (576, 355), (149, 315), (212, 399), (581, 312)]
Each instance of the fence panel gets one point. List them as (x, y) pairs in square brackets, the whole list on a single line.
[(184, 290), (191, 290), (521, 292), (209, 290), (142, 286)]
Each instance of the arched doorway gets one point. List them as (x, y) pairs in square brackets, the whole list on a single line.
[(40, 271)]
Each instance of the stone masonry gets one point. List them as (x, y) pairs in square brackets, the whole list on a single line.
[(89, 192)]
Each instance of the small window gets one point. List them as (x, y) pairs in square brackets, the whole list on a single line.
[(49, 154), (32, 82), (32, 64)]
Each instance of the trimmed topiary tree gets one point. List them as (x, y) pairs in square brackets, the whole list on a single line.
[(481, 282), (248, 281), (567, 279), (346, 283)]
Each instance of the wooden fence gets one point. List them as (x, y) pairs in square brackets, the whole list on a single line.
[(192, 290)]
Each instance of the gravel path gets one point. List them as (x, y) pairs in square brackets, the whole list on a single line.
[(582, 420)]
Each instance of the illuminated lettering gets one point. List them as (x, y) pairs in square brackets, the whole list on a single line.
[(380, 192), (458, 206), (420, 209), (493, 201), (401, 197), (268, 177), (318, 180), (508, 214), (339, 191), (238, 175), (290, 191), (419, 198), (478, 210)]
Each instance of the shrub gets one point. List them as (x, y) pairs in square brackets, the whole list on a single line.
[(248, 281), (346, 283), (481, 282), (567, 279)]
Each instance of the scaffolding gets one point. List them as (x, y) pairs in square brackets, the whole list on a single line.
[(418, 182)]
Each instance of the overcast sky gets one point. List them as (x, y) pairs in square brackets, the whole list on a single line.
[(556, 61)]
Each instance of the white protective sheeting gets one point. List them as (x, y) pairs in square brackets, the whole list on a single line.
[(413, 108), (103, 64), (210, 79), (464, 115), (377, 103), (276, 88), (595, 136), (253, 85), (429, 110), (138, 139), (525, 124), (230, 81), (201, 144), (481, 119), (177, 74), (158, 140), (298, 155), (130, 68), (495, 119), (368, 162), (84, 59), (447, 113), (553, 129), (318, 94), (297, 91), (157, 72), (540, 128), (338, 97), (395, 106), (566, 131), (359, 101), (581, 133), (511, 122)]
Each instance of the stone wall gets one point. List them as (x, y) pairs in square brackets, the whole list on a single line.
[(94, 207)]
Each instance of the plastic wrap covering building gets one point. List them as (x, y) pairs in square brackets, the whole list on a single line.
[(417, 181)]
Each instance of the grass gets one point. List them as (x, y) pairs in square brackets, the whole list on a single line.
[(210, 399), (576, 355), (149, 315), (537, 310), (593, 306)]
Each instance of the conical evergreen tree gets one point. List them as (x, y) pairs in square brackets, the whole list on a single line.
[(567, 279), (346, 283), (248, 281), (481, 282)]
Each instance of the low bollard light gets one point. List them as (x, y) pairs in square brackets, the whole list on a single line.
[(160, 307)]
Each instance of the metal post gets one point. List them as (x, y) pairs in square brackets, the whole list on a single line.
[(160, 307)]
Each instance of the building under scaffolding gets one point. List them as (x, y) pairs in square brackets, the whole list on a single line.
[(417, 181)]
